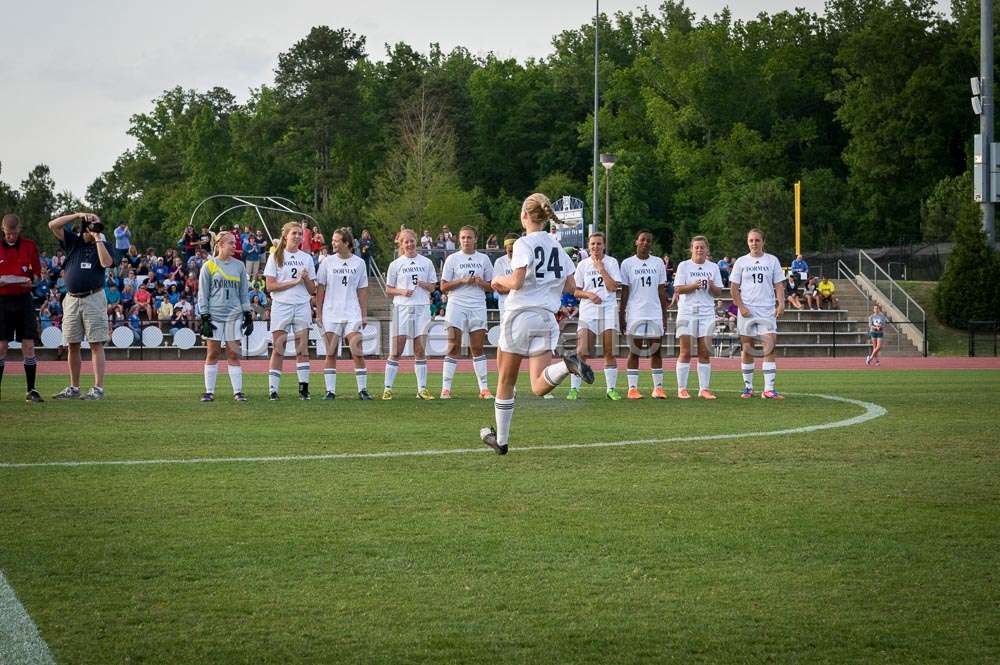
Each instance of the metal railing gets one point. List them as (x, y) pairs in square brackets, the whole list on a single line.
[(844, 272), (983, 331), (913, 313), (377, 273)]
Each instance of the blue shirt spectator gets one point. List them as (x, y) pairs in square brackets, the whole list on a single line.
[(113, 294), (800, 268), (160, 270)]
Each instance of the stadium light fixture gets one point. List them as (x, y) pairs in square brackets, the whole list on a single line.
[(608, 162), (974, 84), (977, 105)]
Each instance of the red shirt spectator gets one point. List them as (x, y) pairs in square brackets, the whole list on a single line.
[(238, 251), (317, 243), (19, 260), (307, 235)]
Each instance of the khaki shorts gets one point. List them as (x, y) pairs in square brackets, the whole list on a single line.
[(85, 318)]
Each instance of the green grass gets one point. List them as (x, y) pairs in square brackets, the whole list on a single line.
[(872, 543), (942, 340)]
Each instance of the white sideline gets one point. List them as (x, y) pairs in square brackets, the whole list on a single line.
[(872, 411), (20, 641)]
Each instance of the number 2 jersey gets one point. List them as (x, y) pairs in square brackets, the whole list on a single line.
[(756, 276), (700, 303), (342, 278), (405, 272), (644, 277), (294, 266), (589, 279), (547, 267)]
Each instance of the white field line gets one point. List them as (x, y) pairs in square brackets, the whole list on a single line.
[(872, 411), (20, 642)]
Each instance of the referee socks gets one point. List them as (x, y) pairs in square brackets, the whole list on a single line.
[(30, 369)]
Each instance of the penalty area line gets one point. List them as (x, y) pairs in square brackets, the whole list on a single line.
[(871, 411), (20, 641)]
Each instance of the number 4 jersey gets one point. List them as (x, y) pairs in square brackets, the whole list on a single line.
[(342, 278), (547, 268), (294, 266)]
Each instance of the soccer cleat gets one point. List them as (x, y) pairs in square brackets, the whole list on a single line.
[(33, 396), (67, 393), (93, 394), (364, 396), (573, 394), (878, 363), (659, 393), (548, 396), (747, 393), (771, 394), (329, 396), (239, 397), (424, 394), (273, 396), (576, 365), (868, 360), (485, 394), (304, 391), (208, 397), (613, 395), (633, 393), (445, 394), (387, 393), (683, 394), (706, 394), (488, 435)]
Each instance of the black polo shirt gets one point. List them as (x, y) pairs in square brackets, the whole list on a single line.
[(82, 270)]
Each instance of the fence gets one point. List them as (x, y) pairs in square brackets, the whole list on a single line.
[(983, 338)]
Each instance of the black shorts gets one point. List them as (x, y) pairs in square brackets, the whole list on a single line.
[(17, 318)]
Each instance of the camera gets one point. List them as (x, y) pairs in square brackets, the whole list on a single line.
[(92, 227)]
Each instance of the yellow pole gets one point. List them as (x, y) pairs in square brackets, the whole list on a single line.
[(798, 218)]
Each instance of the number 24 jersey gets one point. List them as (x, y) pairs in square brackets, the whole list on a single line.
[(547, 265)]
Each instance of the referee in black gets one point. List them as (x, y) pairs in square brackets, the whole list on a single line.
[(19, 269)]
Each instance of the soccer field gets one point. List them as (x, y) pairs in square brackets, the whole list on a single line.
[(399, 537)]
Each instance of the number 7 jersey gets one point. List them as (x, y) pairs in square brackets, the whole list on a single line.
[(547, 267)]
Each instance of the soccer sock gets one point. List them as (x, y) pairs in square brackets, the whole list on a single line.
[(611, 377), (504, 411), (633, 378), (683, 369), (480, 366), (747, 374), (770, 371), (575, 381), (30, 370), (361, 376), (211, 373), (330, 378), (273, 380), (420, 369), (657, 377), (391, 367), (704, 375), (302, 370), (556, 373), (236, 378), (448, 372)]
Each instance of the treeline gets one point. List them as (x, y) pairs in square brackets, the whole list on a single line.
[(712, 121)]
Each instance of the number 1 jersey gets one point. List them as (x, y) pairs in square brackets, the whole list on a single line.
[(547, 267)]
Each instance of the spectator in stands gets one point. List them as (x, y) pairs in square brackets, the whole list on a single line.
[(144, 301), (491, 242), (160, 270), (127, 296), (173, 294), (426, 240), (58, 259), (42, 289), (123, 240), (54, 308), (449, 238), (800, 268), (114, 297), (826, 290), (133, 256), (178, 272), (164, 311), (725, 267), (811, 294), (183, 312), (322, 254), (257, 308), (318, 242), (437, 300), (670, 267), (191, 283), (569, 307), (252, 253), (792, 291), (366, 247)]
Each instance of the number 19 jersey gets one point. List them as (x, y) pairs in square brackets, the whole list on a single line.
[(756, 276), (547, 267)]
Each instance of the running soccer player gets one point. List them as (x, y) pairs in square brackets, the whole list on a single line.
[(541, 272), (342, 309), (644, 304), (698, 282), (224, 303), (289, 276), (597, 278), (876, 323), (757, 283), (466, 277), (410, 280)]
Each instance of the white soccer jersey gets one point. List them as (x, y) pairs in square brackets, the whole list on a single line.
[(501, 268), (700, 303), (643, 277), (548, 266), (589, 279), (294, 265), (756, 276), (461, 265), (342, 279), (404, 273)]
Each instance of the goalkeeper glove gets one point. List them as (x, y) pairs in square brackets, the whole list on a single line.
[(247, 324), (207, 327)]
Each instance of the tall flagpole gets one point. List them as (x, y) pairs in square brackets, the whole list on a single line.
[(596, 213)]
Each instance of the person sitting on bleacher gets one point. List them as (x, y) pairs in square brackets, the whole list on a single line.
[(826, 290), (800, 268), (811, 294), (792, 291)]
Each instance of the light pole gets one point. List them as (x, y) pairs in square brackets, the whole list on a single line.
[(608, 162), (597, 19)]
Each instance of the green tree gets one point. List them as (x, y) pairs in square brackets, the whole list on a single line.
[(37, 204), (972, 262), (949, 202)]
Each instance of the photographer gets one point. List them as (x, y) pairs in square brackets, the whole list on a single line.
[(85, 306), (19, 266)]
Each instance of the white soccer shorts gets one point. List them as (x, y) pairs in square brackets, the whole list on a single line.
[(529, 332), (341, 328), (291, 317), (645, 328), (228, 331), (466, 318), (410, 320), (699, 326), (762, 321), (605, 320)]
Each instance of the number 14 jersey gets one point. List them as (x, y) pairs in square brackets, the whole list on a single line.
[(547, 267)]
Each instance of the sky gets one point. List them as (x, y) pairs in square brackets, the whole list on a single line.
[(73, 73)]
